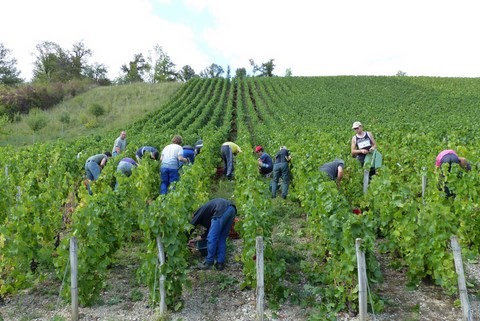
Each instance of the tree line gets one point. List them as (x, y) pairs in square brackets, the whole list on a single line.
[(60, 73), (55, 64)]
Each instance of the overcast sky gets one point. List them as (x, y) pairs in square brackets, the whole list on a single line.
[(310, 37)]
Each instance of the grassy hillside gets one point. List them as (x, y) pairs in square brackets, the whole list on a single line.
[(121, 106)]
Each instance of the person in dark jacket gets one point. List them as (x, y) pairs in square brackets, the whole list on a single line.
[(265, 162), (217, 217), (281, 169)]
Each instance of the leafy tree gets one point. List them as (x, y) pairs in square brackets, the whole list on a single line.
[(288, 72), (401, 73), (49, 63), (98, 73), (36, 120), (241, 73), (265, 69), (212, 71), (78, 57), (9, 75), (136, 70), (54, 64), (163, 69), (186, 73)]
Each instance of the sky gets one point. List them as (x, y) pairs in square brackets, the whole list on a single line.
[(436, 38)]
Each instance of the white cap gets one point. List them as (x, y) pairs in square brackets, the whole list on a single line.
[(356, 124)]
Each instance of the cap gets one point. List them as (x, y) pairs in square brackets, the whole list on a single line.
[(356, 124), (283, 147), (258, 148)]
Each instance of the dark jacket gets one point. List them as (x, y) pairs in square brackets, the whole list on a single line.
[(213, 208)]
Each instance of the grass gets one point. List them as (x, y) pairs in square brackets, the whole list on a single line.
[(121, 105)]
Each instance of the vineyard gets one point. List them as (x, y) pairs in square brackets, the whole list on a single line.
[(44, 203)]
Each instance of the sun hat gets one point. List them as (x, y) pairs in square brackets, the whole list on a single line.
[(356, 124), (258, 148)]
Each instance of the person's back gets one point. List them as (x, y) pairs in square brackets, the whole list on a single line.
[(154, 154), (189, 153), (126, 165), (281, 169), (331, 168)]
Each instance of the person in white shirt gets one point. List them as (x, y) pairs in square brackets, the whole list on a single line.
[(171, 156)]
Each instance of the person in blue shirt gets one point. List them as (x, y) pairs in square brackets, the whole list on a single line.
[(265, 163), (217, 217), (189, 153)]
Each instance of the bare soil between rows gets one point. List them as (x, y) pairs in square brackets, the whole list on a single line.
[(216, 296)]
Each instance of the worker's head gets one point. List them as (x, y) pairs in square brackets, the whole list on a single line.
[(258, 149), (155, 155), (108, 154), (464, 163), (123, 134), (356, 125), (177, 139)]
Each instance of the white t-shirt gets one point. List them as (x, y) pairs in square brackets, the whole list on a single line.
[(170, 156)]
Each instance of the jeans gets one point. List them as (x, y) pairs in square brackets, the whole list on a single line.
[(280, 170), (227, 157), (92, 170), (217, 236), (168, 176)]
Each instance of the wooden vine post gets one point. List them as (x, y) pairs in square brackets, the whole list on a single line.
[(260, 277), (366, 179), (161, 258), (362, 281), (462, 287), (74, 276)]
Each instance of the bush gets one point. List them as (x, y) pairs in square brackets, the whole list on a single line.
[(96, 110)]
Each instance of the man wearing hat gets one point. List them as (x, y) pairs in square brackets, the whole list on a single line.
[(362, 142), (265, 163)]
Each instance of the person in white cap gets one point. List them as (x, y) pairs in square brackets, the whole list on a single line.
[(362, 142)]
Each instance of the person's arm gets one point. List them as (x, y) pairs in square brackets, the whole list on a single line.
[(103, 162), (374, 144), (339, 175)]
